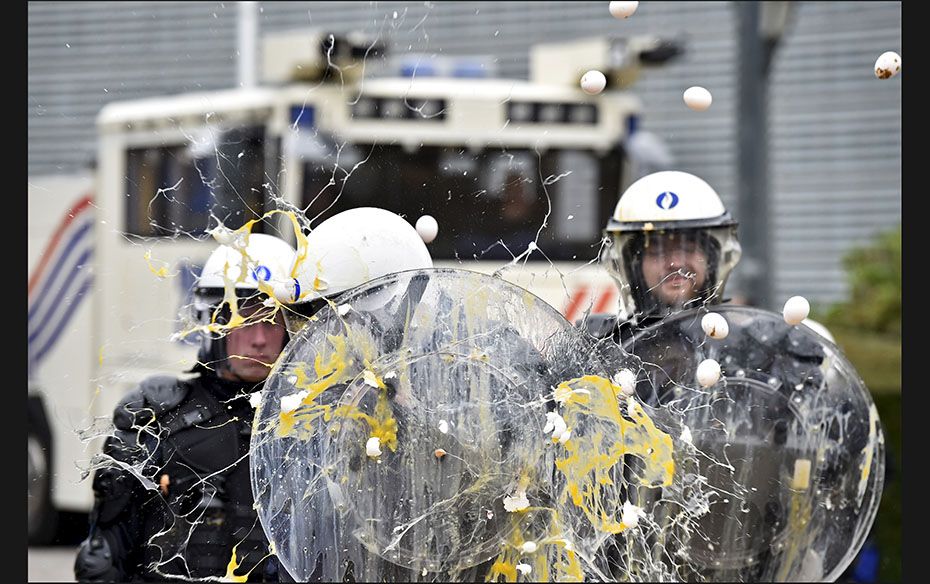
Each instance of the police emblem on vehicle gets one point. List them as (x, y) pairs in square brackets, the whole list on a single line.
[(667, 200)]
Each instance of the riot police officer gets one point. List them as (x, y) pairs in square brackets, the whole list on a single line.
[(672, 246), (174, 498)]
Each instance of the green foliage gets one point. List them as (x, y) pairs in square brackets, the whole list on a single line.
[(875, 287), (867, 327), (876, 357)]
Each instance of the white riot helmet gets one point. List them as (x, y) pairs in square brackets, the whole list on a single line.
[(248, 270), (674, 208), (349, 249)]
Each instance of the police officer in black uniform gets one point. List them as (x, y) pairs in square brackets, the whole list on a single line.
[(174, 496), (672, 247)]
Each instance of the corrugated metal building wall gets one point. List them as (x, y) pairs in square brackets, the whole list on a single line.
[(835, 143), (835, 130)]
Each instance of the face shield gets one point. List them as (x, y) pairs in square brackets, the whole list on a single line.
[(661, 271)]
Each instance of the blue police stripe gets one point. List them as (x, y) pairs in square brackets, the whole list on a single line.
[(49, 283), (64, 320), (43, 318)]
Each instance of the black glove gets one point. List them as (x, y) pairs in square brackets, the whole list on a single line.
[(95, 561)]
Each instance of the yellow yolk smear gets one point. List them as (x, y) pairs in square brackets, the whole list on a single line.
[(601, 437)]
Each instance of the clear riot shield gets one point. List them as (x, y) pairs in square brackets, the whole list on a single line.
[(402, 435), (787, 445), (444, 425)]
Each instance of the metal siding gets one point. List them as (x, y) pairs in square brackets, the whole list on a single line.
[(82, 55), (835, 143), (835, 130)]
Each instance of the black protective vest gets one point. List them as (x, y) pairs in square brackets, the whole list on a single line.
[(208, 506)]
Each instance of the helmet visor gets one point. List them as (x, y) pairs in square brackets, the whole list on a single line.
[(662, 271)]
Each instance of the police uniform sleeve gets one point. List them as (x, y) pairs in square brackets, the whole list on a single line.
[(112, 551)]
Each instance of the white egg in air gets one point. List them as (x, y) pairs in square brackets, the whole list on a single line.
[(715, 326), (698, 98), (593, 82), (796, 309), (427, 228), (708, 372), (622, 9), (887, 65)]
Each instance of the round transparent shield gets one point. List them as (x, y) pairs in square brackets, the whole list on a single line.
[(401, 423), (784, 441)]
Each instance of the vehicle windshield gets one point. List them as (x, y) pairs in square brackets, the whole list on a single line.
[(490, 203), (175, 188)]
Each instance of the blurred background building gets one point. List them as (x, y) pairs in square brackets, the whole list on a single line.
[(834, 141)]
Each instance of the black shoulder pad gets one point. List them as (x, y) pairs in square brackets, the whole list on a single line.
[(126, 446), (599, 325), (130, 409), (163, 393), (154, 396)]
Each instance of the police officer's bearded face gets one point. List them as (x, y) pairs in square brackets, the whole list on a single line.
[(254, 347), (674, 268)]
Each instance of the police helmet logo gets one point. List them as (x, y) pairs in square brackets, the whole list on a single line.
[(667, 200), (261, 274)]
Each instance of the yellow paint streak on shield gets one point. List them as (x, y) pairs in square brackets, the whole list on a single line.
[(328, 372), (566, 565)]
